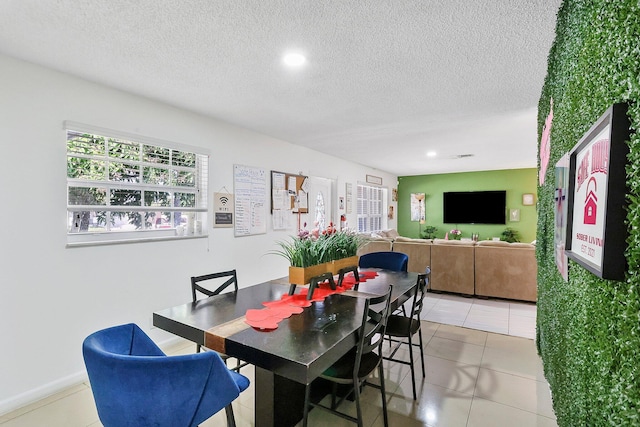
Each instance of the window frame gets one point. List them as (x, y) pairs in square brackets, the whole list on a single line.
[(197, 214), (370, 218)]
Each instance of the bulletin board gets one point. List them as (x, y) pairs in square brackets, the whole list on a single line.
[(289, 192)]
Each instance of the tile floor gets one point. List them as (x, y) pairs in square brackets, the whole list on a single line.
[(482, 369)]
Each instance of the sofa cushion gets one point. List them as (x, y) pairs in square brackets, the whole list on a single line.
[(391, 233), (375, 245), (494, 243), (522, 245), (409, 239), (454, 242)]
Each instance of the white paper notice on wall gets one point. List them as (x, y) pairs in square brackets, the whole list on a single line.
[(292, 185), (281, 219), (281, 199), (250, 189)]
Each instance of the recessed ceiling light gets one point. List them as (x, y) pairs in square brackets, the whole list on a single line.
[(431, 153), (294, 59)]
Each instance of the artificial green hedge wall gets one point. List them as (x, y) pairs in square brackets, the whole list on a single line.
[(589, 329)]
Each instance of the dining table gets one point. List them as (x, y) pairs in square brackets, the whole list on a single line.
[(292, 355)]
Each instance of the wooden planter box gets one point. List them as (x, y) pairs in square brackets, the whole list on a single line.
[(335, 266), (302, 275)]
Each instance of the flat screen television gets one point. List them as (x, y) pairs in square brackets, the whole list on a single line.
[(475, 207)]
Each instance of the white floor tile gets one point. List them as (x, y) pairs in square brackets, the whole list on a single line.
[(482, 369), (516, 391), (485, 413)]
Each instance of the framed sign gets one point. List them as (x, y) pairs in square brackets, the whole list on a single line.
[(596, 232), (371, 179)]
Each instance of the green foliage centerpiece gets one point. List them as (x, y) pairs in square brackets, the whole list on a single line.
[(313, 253)]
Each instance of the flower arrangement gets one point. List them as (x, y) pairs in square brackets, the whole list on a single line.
[(314, 247), (455, 234)]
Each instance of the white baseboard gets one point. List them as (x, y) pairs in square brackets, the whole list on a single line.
[(39, 393), (23, 399)]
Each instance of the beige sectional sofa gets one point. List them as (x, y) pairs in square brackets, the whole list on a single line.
[(485, 268)]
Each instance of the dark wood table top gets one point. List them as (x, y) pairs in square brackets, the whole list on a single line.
[(302, 346)]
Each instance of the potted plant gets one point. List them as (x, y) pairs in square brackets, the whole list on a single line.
[(342, 248), (429, 232), (313, 253), (455, 234), (510, 235)]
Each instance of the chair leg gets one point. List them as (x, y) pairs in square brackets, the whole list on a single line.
[(305, 413), (421, 352), (198, 348), (356, 393), (334, 392), (413, 373), (384, 395), (231, 421)]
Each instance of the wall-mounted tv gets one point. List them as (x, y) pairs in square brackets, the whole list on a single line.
[(475, 207)]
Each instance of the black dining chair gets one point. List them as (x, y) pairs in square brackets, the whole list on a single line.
[(217, 283), (359, 363), (401, 328)]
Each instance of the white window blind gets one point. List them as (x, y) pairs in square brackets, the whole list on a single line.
[(130, 188), (370, 206)]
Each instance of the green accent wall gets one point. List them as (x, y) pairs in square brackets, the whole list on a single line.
[(516, 182), (588, 329)]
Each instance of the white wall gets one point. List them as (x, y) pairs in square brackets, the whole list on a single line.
[(52, 297)]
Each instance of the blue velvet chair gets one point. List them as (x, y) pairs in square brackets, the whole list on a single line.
[(396, 261), (135, 384)]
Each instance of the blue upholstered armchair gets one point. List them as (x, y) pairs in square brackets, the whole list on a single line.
[(396, 261), (135, 384)]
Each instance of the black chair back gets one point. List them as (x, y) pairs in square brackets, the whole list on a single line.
[(231, 279), (374, 323), (421, 289)]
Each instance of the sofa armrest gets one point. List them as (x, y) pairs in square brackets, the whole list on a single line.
[(506, 272)]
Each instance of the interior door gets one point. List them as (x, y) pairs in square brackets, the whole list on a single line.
[(320, 202)]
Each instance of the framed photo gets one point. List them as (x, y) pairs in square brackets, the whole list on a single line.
[(514, 215), (417, 206), (596, 230), (527, 199)]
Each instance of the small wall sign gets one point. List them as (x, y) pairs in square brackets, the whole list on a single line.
[(374, 180)]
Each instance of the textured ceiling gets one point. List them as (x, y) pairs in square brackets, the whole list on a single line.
[(384, 82)]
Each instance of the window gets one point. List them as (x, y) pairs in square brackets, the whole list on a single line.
[(371, 213), (129, 188)]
